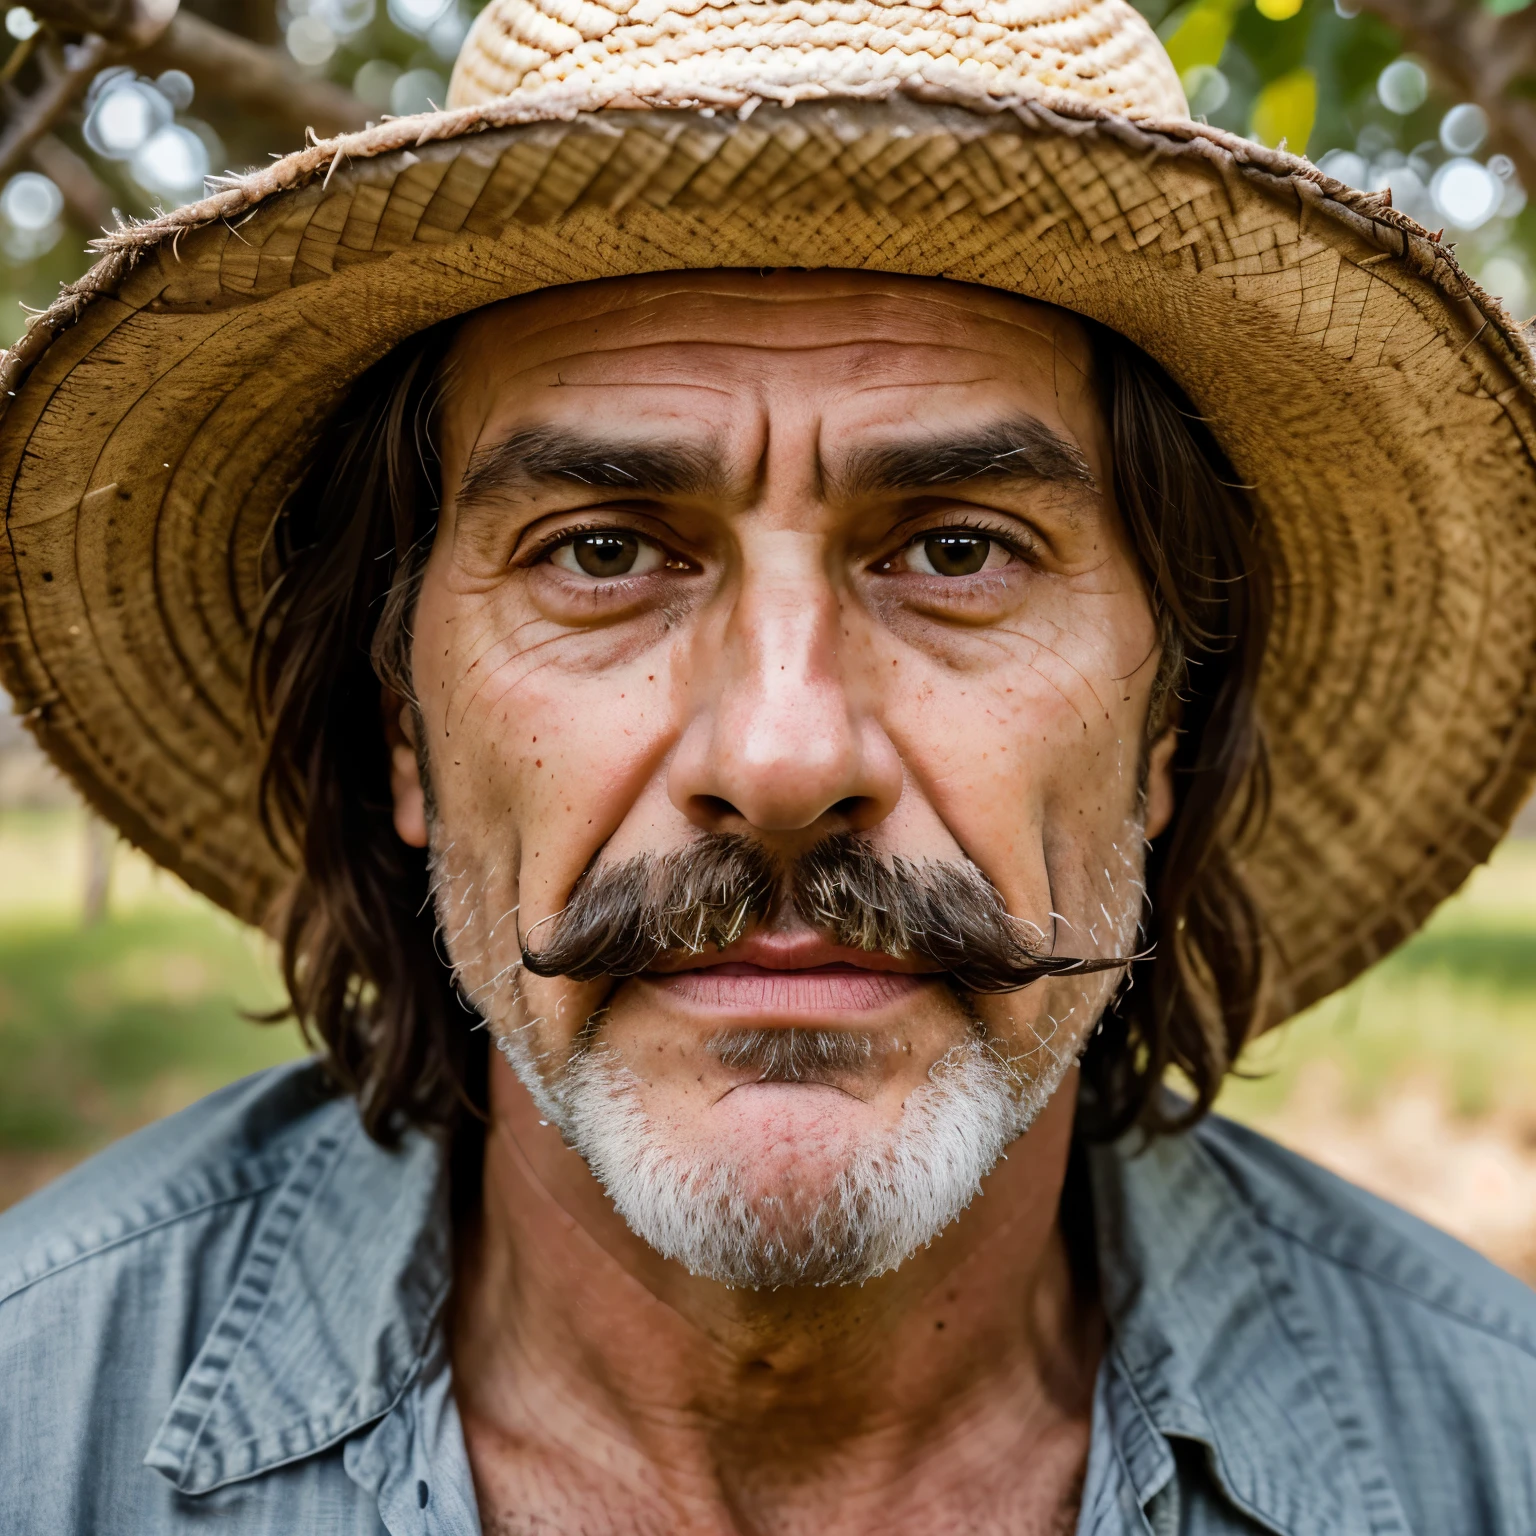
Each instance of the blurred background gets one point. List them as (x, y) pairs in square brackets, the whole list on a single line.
[(124, 997)]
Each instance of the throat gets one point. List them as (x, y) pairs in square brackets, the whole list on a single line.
[(604, 1388)]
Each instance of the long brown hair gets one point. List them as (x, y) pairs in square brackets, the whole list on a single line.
[(360, 951)]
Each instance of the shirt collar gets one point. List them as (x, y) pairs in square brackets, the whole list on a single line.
[(1214, 1343), (335, 1305), (330, 1316)]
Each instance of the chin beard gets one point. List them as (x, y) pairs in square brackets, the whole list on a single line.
[(896, 1194)]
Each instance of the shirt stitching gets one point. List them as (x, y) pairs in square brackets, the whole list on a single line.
[(266, 1176), (1502, 1329)]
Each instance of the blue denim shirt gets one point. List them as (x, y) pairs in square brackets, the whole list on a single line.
[(231, 1322)]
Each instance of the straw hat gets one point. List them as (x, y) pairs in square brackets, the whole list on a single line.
[(1377, 400)]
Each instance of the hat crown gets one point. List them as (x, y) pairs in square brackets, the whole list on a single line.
[(590, 53)]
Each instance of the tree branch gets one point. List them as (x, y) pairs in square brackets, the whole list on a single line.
[(263, 82), (36, 114), (128, 23), (153, 36), (88, 199)]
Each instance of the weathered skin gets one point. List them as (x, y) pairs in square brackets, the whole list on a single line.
[(784, 668)]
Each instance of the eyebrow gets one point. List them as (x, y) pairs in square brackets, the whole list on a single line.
[(543, 454), (1018, 449)]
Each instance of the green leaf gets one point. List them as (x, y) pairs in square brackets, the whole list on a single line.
[(1285, 111), (1198, 33)]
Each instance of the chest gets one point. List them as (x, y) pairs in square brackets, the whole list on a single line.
[(524, 1489)]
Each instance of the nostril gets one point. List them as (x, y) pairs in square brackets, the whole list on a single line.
[(859, 812), (713, 808)]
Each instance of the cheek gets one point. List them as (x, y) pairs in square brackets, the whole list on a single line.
[(1044, 1028), (1025, 739), (540, 741)]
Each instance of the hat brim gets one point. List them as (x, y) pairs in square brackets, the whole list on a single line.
[(1377, 402)]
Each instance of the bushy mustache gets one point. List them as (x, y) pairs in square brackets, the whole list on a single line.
[(624, 917)]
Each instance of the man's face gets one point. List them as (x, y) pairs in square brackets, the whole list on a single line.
[(786, 557)]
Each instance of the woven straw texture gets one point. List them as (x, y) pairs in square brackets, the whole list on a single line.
[(629, 52), (1378, 403)]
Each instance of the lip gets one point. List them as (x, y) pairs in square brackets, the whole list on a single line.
[(756, 989), (779, 975), (800, 949)]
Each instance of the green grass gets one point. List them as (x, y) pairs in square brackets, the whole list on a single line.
[(106, 1026), (1457, 1004)]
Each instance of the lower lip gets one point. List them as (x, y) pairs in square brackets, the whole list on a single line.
[(752, 989)]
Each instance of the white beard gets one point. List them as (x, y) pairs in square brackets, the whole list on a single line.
[(892, 1199)]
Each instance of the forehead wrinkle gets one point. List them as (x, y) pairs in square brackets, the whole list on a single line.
[(944, 331), (682, 341), (699, 384)]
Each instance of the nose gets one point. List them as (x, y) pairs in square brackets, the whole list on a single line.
[(782, 738)]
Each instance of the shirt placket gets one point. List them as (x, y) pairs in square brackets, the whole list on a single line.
[(414, 1463)]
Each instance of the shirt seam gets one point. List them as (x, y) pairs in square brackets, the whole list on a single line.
[(202, 1378), (1491, 1328), (338, 1437), (1356, 1427), (271, 1176), (1223, 1482)]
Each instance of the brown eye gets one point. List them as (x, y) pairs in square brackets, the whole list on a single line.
[(606, 554), (951, 553)]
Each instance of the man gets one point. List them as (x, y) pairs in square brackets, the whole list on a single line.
[(734, 605)]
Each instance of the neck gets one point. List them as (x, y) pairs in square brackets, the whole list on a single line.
[(576, 1343)]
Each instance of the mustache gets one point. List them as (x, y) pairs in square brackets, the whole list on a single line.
[(622, 918)]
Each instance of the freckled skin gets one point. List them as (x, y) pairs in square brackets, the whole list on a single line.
[(782, 666)]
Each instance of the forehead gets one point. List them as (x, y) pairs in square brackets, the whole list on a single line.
[(670, 341)]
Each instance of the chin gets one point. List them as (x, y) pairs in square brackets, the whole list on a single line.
[(796, 1184), (784, 1134)]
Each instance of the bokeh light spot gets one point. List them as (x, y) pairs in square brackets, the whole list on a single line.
[(310, 41), (373, 83), (1506, 276), (1463, 129), (1465, 193), (31, 201), (172, 164), (417, 90), (1346, 166), (1402, 87), (177, 88), (416, 16), (1284, 111), (124, 115), (1206, 89)]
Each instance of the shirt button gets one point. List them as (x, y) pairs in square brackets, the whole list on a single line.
[(422, 1492)]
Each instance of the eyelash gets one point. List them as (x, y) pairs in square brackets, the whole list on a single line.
[(1025, 548), (546, 546)]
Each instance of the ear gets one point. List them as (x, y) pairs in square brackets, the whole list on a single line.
[(1159, 792), (405, 786)]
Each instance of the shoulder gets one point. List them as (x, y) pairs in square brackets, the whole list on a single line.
[(111, 1278), (210, 1301), (221, 1152), (1334, 1227), (1428, 1346)]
